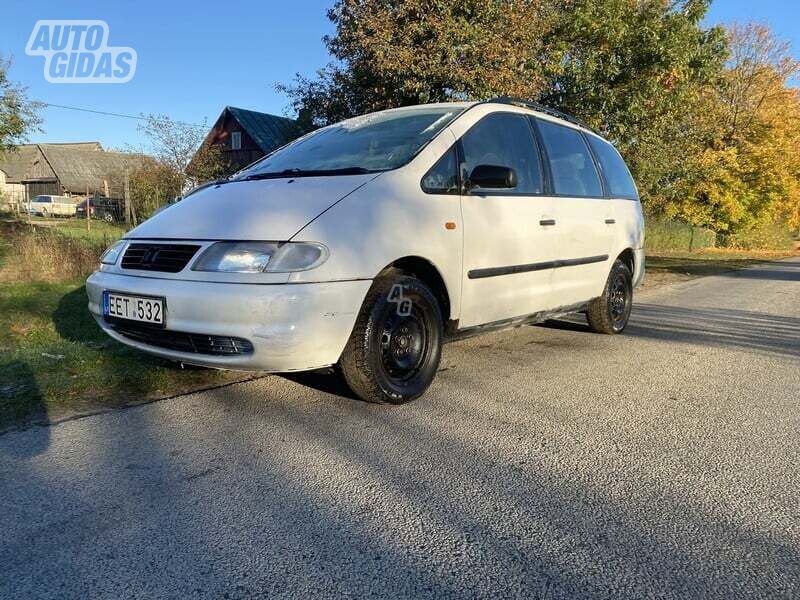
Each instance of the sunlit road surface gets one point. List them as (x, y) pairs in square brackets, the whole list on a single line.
[(544, 462)]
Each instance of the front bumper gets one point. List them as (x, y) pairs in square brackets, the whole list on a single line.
[(293, 327)]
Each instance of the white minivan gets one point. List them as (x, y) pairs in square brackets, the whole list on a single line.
[(52, 206), (366, 244)]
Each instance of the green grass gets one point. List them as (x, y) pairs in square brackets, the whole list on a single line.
[(55, 360), (100, 231)]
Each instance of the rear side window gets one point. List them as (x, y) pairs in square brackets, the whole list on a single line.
[(443, 176), (505, 140), (618, 178), (571, 164)]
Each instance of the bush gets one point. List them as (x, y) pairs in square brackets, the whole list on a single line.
[(766, 236), (40, 254), (663, 235)]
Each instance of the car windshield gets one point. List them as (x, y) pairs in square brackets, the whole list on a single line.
[(374, 142)]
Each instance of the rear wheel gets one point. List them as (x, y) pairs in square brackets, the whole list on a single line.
[(393, 353), (610, 312), (108, 218)]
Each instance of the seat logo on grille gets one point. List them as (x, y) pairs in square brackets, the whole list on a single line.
[(150, 256)]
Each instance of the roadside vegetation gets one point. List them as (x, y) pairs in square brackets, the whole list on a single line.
[(54, 359)]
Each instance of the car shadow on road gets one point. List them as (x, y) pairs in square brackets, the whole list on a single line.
[(326, 382), (764, 333), (774, 270), (21, 402)]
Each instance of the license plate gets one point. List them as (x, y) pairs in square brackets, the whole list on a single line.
[(134, 308)]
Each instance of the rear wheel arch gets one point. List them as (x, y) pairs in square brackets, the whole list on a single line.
[(627, 256)]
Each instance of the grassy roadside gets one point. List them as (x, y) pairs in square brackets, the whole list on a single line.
[(55, 361)]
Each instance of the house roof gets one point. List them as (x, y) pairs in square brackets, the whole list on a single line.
[(79, 168), (15, 163), (268, 131), (77, 165)]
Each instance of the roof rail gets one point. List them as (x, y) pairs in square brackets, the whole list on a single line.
[(541, 108)]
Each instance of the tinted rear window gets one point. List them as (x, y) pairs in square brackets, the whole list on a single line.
[(619, 180), (574, 172)]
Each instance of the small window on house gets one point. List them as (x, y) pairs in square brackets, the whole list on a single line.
[(236, 140)]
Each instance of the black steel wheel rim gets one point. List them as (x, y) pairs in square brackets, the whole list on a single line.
[(619, 299), (404, 345)]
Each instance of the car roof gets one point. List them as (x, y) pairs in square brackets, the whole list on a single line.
[(535, 108)]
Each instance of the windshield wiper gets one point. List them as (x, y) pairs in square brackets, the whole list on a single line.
[(307, 173)]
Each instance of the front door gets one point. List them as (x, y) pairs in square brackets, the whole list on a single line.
[(508, 239)]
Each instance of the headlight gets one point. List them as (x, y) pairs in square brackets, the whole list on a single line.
[(111, 255), (261, 257)]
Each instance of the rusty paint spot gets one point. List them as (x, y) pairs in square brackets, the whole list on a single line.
[(449, 225)]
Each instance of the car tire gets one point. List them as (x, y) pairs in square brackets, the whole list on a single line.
[(108, 218), (610, 312), (393, 353)]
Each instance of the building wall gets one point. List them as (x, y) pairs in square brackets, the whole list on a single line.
[(12, 195), (238, 159)]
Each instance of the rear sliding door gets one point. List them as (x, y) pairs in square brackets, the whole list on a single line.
[(584, 218)]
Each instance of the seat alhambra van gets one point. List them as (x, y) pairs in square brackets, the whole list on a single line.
[(366, 244)]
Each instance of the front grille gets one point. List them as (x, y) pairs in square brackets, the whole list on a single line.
[(168, 258), (180, 341)]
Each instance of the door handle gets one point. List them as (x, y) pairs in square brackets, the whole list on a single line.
[(546, 222), (610, 221)]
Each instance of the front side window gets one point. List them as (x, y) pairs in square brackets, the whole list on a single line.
[(618, 178), (236, 140), (505, 140), (571, 164), (374, 142), (443, 176)]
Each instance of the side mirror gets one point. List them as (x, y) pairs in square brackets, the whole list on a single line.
[(493, 177)]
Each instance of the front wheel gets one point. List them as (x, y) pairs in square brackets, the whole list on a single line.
[(610, 312), (393, 352)]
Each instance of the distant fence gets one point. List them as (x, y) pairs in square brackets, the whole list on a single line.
[(12, 201), (676, 236)]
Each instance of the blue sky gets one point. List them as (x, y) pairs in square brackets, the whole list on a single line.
[(193, 61)]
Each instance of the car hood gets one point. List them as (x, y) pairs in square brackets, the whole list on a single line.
[(268, 209)]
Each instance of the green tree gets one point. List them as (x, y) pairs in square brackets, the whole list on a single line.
[(638, 71), (19, 116), (397, 53), (180, 147), (634, 69)]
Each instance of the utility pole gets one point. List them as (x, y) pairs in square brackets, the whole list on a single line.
[(127, 196), (88, 210)]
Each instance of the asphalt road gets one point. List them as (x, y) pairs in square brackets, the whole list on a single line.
[(545, 462)]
